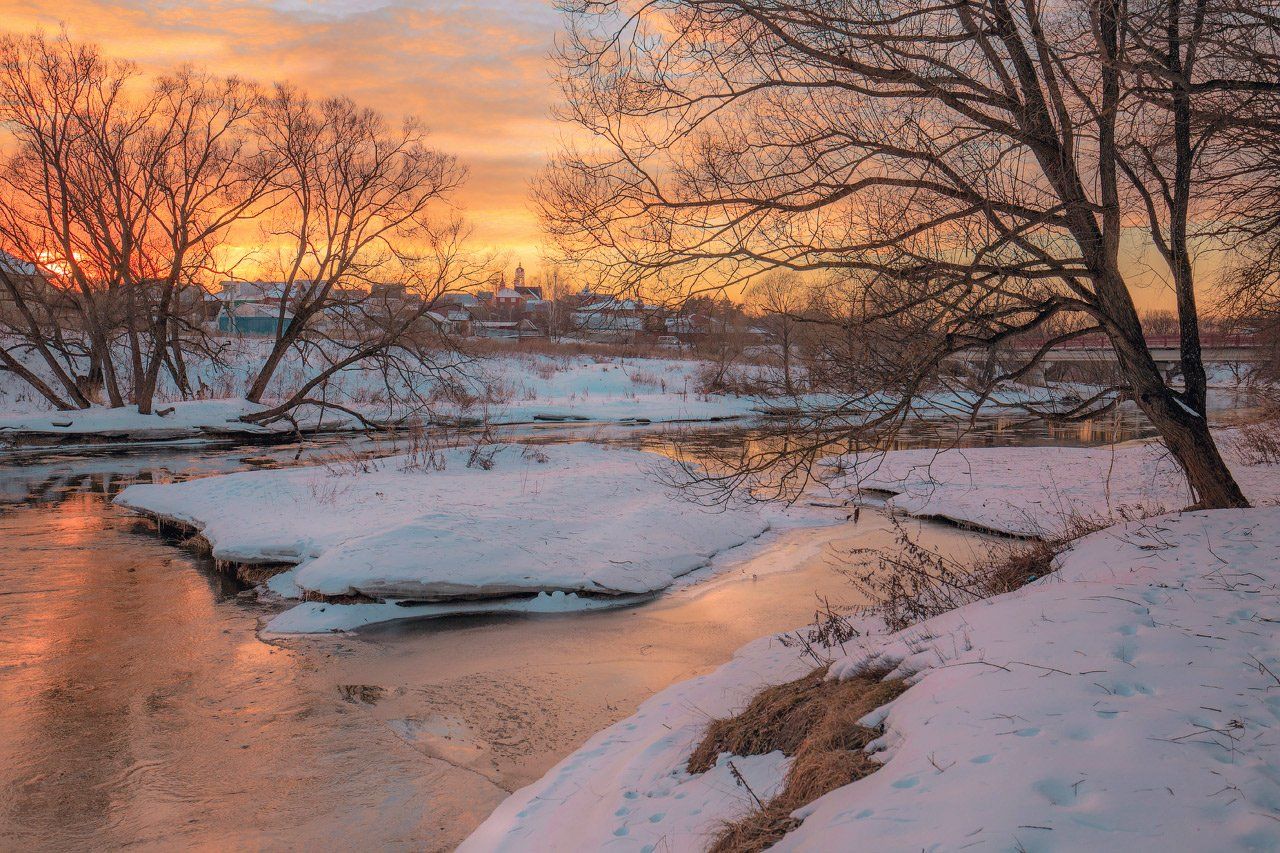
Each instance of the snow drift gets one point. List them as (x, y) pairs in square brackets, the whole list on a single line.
[(575, 518)]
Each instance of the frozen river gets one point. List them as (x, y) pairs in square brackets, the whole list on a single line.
[(138, 706)]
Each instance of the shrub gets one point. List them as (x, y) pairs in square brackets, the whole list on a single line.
[(1259, 443), (914, 584)]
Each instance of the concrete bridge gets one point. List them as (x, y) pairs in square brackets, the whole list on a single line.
[(1073, 360), (1085, 358)]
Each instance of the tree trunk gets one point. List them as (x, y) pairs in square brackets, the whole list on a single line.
[(1183, 430), (263, 379), (177, 365), (141, 395), (34, 337), (145, 390), (102, 347), (285, 338), (12, 364), (1189, 440), (786, 365)]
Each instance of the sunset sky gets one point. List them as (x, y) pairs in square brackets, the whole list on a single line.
[(476, 72)]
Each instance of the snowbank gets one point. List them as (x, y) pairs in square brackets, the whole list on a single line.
[(594, 388), (573, 518), (1036, 491), (504, 388), (1131, 701), (188, 419)]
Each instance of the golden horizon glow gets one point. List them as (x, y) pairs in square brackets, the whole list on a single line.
[(476, 72)]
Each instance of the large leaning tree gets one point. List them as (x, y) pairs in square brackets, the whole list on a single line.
[(972, 173)]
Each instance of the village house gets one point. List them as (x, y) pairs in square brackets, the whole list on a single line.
[(253, 307), (257, 292), (517, 299), (612, 317)]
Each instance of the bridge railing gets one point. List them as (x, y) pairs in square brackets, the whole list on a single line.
[(1092, 342)]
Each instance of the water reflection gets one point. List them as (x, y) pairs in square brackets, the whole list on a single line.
[(138, 707)]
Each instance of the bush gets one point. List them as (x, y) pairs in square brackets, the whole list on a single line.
[(1259, 443), (914, 584)]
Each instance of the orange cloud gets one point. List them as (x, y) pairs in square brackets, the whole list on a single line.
[(476, 71)]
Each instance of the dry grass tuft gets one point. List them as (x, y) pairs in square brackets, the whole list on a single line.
[(815, 722), (1015, 566), (1259, 443), (253, 574), (914, 583)]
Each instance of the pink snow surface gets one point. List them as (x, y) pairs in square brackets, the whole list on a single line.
[(1128, 701), (1038, 491)]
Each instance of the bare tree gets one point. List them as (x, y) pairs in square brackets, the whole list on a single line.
[(207, 174), (780, 300), (50, 91), (980, 162), (1250, 298), (362, 207), (558, 294), (117, 194)]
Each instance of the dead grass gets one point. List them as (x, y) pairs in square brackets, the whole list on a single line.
[(252, 574), (1259, 443), (815, 722), (913, 583), (1014, 566)]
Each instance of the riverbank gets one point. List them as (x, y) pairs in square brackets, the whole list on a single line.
[(132, 668), (502, 387), (499, 389), (1126, 700), (1040, 492)]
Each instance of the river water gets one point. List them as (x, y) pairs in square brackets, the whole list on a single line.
[(139, 708)]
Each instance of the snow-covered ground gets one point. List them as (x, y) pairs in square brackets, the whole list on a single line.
[(177, 420), (1038, 491), (501, 388), (564, 527), (529, 386), (1129, 701)]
